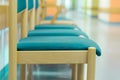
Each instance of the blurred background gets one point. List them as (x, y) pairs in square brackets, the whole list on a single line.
[(100, 19)]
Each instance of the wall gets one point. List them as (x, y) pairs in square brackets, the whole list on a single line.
[(3, 15), (90, 7), (3, 39), (84, 6), (3, 52), (115, 5), (74, 4), (95, 6), (79, 5), (110, 11), (51, 10), (104, 4)]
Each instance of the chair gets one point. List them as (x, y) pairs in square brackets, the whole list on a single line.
[(57, 25), (53, 19), (53, 30), (44, 30), (78, 55), (56, 30)]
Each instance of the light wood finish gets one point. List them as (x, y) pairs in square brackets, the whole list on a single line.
[(91, 64), (30, 70), (3, 16), (37, 16), (74, 71), (22, 72), (20, 15), (81, 71), (24, 24), (59, 9), (43, 14), (39, 13), (44, 57), (59, 22), (32, 22), (43, 9), (24, 30), (52, 57), (19, 20), (32, 19), (13, 40)]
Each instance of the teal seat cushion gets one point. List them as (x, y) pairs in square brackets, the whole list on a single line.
[(37, 4), (21, 5), (54, 32), (58, 18), (30, 4), (55, 26), (56, 43)]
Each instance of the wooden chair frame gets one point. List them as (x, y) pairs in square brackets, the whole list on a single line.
[(32, 19), (24, 30), (43, 6), (76, 57)]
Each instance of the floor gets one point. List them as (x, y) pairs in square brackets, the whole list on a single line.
[(108, 65), (107, 36)]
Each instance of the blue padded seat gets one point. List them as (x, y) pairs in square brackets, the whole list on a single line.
[(54, 32), (58, 18), (37, 4), (55, 26), (21, 5), (30, 4), (56, 43)]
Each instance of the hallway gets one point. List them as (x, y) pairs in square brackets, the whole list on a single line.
[(106, 35)]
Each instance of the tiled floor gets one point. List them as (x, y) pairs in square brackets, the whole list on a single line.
[(108, 65), (107, 36)]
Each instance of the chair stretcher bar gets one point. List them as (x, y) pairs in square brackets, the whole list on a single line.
[(52, 57)]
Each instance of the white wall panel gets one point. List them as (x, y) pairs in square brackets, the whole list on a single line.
[(1, 50), (104, 4), (104, 16), (89, 3)]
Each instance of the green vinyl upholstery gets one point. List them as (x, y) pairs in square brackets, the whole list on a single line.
[(21, 5), (56, 32), (37, 4), (30, 4), (55, 26), (57, 43), (58, 18)]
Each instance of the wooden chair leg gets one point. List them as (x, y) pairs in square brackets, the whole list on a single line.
[(81, 72), (12, 70), (74, 71), (91, 64), (22, 72), (30, 70)]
